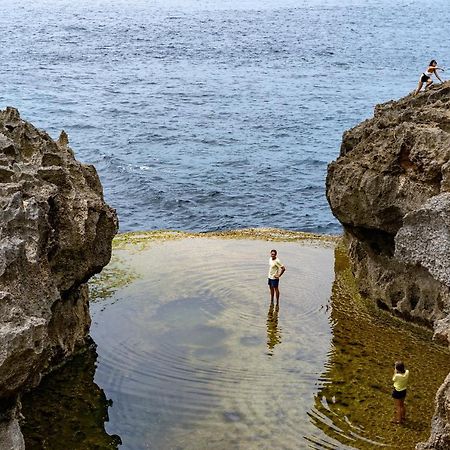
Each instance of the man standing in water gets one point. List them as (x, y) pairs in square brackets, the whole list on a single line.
[(276, 269)]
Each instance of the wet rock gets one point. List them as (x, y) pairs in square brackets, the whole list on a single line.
[(390, 188), (55, 233)]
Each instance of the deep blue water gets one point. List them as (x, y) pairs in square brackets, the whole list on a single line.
[(204, 115)]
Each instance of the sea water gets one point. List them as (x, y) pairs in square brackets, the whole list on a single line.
[(213, 114)]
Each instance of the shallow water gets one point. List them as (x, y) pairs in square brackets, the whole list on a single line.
[(192, 355), (211, 114), (198, 359)]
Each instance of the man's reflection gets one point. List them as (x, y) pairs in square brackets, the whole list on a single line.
[(273, 333)]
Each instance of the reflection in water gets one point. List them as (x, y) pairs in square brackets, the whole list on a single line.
[(68, 410), (273, 332), (354, 404)]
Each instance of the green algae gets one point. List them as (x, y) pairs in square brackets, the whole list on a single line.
[(142, 239), (114, 276)]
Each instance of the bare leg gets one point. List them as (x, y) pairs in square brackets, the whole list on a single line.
[(419, 87), (277, 293), (272, 291), (403, 411), (398, 411), (429, 83)]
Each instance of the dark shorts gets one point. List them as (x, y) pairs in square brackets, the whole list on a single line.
[(399, 395), (424, 78), (273, 283)]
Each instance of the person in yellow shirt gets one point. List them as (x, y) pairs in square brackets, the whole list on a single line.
[(276, 269), (400, 379)]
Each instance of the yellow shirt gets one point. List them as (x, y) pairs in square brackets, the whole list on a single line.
[(400, 380), (274, 267)]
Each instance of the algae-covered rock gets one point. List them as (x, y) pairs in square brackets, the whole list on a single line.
[(55, 233)]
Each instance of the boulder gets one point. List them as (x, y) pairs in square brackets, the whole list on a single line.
[(55, 233)]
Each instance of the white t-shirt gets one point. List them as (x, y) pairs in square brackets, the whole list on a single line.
[(275, 266)]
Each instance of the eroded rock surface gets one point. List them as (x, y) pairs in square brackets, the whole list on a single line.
[(390, 188), (55, 233), (440, 426)]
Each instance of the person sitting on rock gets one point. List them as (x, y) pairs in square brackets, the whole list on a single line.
[(425, 77)]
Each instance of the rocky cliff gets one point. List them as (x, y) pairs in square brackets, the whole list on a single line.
[(390, 189), (55, 233)]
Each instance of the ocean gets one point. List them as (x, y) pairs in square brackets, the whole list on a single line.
[(205, 115)]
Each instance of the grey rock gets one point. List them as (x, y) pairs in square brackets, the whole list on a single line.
[(11, 437), (440, 426), (55, 233), (424, 238)]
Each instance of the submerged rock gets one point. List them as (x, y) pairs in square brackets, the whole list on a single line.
[(56, 232), (390, 188)]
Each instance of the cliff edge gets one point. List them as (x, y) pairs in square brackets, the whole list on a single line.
[(56, 232), (390, 189)]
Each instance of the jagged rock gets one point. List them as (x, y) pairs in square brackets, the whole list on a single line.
[(55, 233), (407, 291), (390, 188), (10, 436), (389, 169)]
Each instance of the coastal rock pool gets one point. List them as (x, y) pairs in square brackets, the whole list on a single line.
[(192, 355)]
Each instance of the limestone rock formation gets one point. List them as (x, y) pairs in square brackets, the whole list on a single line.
[(55, 233), (440, 426), (390, 189)]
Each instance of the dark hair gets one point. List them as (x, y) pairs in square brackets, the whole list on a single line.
[(433, 61), (273, 250), (399, 366)]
